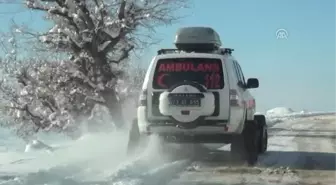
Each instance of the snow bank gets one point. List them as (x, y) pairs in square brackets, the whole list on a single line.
[(37, 145), (279, 111), (280, 114)]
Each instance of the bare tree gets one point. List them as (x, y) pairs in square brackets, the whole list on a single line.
[(97, 36)]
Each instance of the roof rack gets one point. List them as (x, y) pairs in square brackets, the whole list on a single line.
[(222, 51), (227, 50), (166, 51)]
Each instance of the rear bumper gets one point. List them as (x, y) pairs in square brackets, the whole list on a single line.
[(171, 129), (201, 134)]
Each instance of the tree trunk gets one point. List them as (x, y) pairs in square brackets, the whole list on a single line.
[(114, 107)]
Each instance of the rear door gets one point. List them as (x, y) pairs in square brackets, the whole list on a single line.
[(207, 71)]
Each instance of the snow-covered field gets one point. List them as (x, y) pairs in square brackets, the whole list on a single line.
[(301, 150), (280, 114)]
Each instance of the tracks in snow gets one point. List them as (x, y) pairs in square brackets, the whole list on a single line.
[(301, 151)]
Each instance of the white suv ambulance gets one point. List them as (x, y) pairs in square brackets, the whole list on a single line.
[(197, 93)]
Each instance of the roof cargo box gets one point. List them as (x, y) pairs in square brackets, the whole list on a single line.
[(197, 39)]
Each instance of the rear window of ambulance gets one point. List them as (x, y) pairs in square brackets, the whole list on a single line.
[(205, 71)]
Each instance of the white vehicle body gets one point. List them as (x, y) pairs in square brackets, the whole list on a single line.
[(197, 93), (236, 104)]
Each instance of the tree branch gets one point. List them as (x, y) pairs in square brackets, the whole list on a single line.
[(124, 55)]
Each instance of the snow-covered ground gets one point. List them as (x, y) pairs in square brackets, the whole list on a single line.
[(301, 149), (280, 114)]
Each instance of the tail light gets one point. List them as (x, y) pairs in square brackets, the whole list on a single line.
[(143, 98), (251, 103), (234, 99)]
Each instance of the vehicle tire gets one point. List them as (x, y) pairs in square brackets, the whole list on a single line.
[(134, 138), (160, 145), (251, 139), (237, 148), (265, 142), (263, 139), (245, 146)]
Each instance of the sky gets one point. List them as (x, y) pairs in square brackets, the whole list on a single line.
[(297, 72)]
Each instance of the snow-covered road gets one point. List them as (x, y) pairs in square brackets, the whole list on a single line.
[(301, 151)]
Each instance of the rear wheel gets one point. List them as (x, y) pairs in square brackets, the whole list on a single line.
[(134, 138), (263, 139), (251, 135), (237, 148), (139, 142), (245, 146), (265, 142)]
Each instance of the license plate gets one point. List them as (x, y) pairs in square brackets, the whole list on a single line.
[(185, 102)]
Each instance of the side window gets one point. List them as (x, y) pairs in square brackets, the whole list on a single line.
[(241, 73), (239, 77)]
